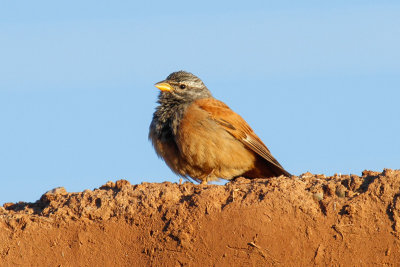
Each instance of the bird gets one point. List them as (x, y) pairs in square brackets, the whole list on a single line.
[(201, 138)]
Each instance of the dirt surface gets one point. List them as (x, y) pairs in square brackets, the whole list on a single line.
[(307, 220)]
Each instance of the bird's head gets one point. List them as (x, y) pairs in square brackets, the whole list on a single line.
[(183, 86)]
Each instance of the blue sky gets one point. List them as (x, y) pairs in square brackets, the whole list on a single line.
[(318, 82)]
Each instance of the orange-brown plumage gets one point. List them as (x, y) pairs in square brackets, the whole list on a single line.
[(200, 137)]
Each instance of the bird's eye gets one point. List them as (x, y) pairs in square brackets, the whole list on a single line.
[(182, 86)]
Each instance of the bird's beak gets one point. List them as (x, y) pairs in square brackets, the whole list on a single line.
[(163, 86)]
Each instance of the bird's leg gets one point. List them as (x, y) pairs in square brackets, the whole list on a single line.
[(206, 178)]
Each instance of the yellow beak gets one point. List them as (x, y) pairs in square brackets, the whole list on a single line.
[(165, 87)]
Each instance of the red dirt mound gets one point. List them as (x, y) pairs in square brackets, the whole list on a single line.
[(306, 220)]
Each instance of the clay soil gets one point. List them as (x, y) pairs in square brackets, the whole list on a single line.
[(300, 221)]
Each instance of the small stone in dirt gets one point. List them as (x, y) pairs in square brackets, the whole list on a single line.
[(370, 173), (306, 175), (108, 185), (340, 191), (122, 183), (57, 190), (318, 196), (8, 204)]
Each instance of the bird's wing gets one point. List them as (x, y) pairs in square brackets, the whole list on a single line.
[(237, 127)]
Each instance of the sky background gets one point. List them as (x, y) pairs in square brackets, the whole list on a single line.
[(318, 81)]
